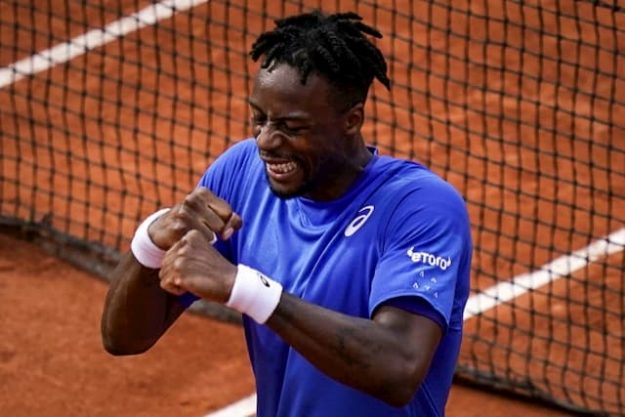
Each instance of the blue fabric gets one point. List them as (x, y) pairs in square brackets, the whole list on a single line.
[(417, 305), (399, 232)]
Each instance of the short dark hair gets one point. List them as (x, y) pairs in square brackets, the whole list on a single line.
[(334, 46)]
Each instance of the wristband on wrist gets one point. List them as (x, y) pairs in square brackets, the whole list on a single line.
[(142, 247), (254, 294)]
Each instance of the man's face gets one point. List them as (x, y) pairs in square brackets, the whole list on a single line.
[(301, 137)]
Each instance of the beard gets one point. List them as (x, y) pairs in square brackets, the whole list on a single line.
[(322, 174), (303, 189)]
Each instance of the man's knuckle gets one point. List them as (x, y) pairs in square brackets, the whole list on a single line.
[(188, 201), (178, 264), (205, 192), (179, 226)]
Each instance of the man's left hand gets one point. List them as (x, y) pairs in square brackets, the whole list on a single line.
[(192, 264)]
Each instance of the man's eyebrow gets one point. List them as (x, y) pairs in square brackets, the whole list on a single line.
[(294, 116), (251, 103)]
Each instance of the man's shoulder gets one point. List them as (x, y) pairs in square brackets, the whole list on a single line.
[(241, 155), (412, 178), (245, 148), (239, 163), (415, 195)]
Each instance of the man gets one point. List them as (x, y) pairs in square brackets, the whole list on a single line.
[(351, 269)]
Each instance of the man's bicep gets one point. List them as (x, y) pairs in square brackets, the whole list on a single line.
[(418, 334)]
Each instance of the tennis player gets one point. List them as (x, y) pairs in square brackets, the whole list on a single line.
[(350, 269)]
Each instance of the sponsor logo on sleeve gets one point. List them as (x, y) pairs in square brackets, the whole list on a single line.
[(426, 258)]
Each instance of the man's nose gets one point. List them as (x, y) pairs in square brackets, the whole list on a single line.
[(269, 138)]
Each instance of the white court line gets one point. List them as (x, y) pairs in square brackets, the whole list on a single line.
[(558, 268), (95, 38), (495, 295), (243, 408)]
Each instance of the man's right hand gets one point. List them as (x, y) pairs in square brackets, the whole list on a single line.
[(200, 210)]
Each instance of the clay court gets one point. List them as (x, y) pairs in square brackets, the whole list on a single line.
[(519, 106), (52, 362)]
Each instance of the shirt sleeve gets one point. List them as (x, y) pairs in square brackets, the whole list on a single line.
[(426, 240), (417, 305)]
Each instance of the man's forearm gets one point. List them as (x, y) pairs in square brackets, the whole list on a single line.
[(380, 357), (137, 311)]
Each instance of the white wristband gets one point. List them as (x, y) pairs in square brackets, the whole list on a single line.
[(254, 294), (142, 247)]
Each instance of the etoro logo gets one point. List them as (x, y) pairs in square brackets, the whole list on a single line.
[(359, 220), (429, 259)]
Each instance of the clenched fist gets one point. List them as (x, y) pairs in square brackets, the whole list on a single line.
[(193, 265), (201, 210), (187, 232)]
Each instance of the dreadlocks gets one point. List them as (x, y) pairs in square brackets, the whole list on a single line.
[(331, 45)]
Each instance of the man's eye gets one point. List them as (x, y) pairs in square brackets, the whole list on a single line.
[(258, 120), (294, 129)]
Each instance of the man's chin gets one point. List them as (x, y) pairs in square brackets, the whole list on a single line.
[(285, 192)]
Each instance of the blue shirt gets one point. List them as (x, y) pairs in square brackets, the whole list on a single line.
[(399, 235)]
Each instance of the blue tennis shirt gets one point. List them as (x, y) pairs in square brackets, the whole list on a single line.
[(399, 235)]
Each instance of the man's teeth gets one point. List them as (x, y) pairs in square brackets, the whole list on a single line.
[(283, 168)]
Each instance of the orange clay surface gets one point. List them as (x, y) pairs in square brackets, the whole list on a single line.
[(52, 362)]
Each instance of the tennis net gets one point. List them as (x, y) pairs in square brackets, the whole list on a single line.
[(111, 109)]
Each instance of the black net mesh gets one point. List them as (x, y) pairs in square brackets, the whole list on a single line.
[(111, 109)]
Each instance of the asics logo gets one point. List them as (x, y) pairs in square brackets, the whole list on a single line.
[(428, 259), (359, 220), (263, 279)]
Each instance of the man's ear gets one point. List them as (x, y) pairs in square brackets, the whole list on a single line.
[(354, 119)]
